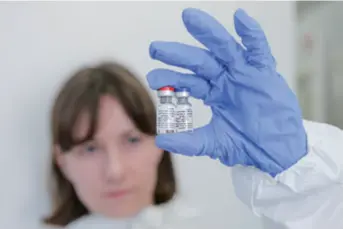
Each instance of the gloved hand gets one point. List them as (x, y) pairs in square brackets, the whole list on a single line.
[(256, 119)]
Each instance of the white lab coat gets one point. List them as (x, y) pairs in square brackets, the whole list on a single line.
[(309, 195), (173, 215)]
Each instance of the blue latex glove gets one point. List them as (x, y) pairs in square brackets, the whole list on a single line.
[(256, 119)]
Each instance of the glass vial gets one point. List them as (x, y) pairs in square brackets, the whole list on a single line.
[(184, 111), (166, 111)]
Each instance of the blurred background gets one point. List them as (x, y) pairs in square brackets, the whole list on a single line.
[(42, 42), (319, 65)]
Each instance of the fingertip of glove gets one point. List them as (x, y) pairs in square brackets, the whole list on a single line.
[(241, 16), (163, 141), (167, 141), (244, 18), (152, 49), (190, 16), (149, 78), (186, 13), (240, 13), (152, 78), (177, 143)]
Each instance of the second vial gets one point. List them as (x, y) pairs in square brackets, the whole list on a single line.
[(183, 111)]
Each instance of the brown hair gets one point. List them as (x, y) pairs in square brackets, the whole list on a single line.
[(82, 93)]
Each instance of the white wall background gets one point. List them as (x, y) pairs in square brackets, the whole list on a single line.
[(41, 43)]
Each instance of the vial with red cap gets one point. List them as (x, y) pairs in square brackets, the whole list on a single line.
[(166, 111)]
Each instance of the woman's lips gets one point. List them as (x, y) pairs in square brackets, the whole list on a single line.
[(116, 194)]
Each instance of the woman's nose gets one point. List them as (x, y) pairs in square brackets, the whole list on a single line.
[(114, 166)]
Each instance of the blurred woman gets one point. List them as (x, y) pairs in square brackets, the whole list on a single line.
[(104, 159)]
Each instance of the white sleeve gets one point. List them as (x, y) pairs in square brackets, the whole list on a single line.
[(307, 195)]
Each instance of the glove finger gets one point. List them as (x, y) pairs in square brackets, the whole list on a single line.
[(185, 56), (199, 88), (214, 36), (254, 39), (196, 143)]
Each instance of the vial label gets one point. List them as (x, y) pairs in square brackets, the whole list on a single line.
[(166, 119), (184, 119)]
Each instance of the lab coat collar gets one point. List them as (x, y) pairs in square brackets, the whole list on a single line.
[(154, 216), (151, 216)]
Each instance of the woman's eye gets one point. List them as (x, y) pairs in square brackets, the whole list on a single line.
[(133, 139), (90, 148)]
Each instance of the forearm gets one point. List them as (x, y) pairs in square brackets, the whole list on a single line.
[(309, 190)]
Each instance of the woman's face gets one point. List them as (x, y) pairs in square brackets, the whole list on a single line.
[(114, 174)]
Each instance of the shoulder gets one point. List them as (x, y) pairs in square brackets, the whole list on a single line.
[(36, 225), (178, 209), (179, 213), (93, 221)]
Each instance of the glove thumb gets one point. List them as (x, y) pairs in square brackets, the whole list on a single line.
[(187, 143)]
